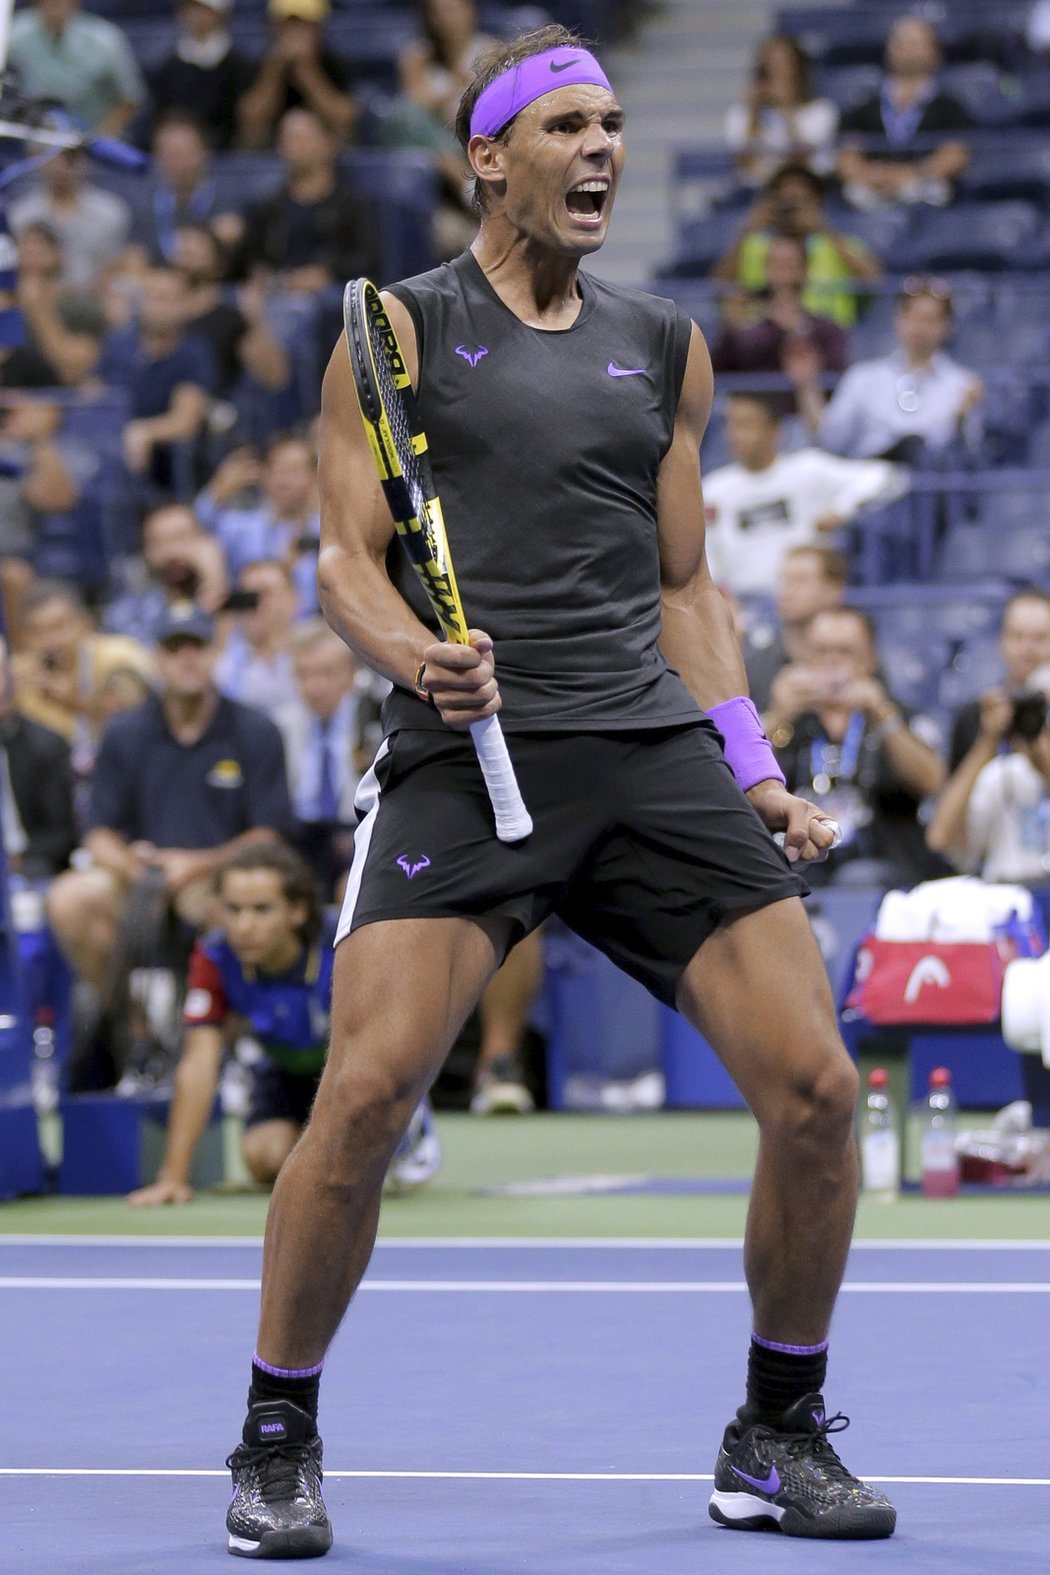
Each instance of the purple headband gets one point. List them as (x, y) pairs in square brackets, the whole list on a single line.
[(529, 80)]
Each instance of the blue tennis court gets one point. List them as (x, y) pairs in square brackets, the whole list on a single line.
[(492, 1407)]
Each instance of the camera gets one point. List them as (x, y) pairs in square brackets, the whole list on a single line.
[(1029, 717), (240, 601)]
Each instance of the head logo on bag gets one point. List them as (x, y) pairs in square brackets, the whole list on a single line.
[(928, 970)]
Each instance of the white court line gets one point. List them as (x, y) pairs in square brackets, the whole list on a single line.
[(509, 1476), (44, 1282), (530, 1243)]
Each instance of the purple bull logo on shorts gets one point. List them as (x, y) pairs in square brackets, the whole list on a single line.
[(473, 356), (412, 866)]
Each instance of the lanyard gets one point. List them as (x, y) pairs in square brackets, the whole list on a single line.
[(830, 762), (900, 125), (167, 217)]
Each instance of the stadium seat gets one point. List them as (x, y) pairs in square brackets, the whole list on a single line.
[(1038, 454), (920, 613), (996, 343), (1006, 171), (969, 235), (701, 242), (967, 552), (913, 671), (848, 85), (975, 666), (1019, 509), (1029, 106), (882, 229), (1023, 552), (979, 85)]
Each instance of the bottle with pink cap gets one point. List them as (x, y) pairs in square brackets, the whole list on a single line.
[(938, 1153)]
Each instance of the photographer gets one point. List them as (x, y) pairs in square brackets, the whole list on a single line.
[(780, 117), (844, 742), (182, 562), (1024, 646), (993, 817), (792, 204)]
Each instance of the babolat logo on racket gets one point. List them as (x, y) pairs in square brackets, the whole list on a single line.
[(441, 589), (390, 345)]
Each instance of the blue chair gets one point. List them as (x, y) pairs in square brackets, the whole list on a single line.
[(976, 665), (921, 612), (1029, 108), (913, 671), (976, 235), (1024, 553), (1003, 173), (883, 229), (848, 85), (978, 85), (700, 243), (1039, 446)]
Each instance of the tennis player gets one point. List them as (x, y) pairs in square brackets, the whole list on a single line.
[(564, 417), (268, 973)]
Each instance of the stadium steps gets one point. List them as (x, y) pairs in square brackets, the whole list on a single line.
[(676, 80)]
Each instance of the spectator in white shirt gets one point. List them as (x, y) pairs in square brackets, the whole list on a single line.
[(256, 663), (268, 510), (320, 729), (780, 119), (993, 817), (915, 401), (767, 502)]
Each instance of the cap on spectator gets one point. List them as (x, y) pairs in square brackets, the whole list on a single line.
[(222, 6), (302, 10), (186, 621)]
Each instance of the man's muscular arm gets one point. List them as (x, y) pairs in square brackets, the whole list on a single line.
[(357, 597), (698, 637)]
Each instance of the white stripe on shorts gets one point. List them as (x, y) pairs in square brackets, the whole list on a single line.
[(366, 803)]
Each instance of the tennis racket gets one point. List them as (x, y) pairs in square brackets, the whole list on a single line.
[(399, 449)]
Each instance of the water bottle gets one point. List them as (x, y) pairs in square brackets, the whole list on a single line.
[(939, 1159), (880, 1140), (44, 1075)]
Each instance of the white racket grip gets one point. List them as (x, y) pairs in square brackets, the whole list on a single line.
[(513, 821)]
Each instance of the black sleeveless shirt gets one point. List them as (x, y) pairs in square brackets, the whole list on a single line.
[(545, 449)]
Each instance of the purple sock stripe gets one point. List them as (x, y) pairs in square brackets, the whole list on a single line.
[(790, 1350), (287, 1372)]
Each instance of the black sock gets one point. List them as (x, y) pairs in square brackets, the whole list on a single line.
[(277, 1383), (778, 1375)]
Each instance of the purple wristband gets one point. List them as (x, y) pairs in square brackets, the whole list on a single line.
[(519, 85), (749, 754)]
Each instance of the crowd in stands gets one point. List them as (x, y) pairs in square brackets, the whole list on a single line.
[(868, 261), (167, 673)]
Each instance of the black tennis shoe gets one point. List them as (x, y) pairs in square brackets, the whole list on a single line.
[(277, 1511), (790, 1478)]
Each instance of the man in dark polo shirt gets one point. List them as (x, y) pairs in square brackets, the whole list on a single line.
[(169, 373), (180, 784)]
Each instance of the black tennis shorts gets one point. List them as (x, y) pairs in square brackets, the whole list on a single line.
[(642, 842), (277, 1095)]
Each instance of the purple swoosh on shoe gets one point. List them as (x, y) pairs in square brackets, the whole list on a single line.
[(769, 1484)]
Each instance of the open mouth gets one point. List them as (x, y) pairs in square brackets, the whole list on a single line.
[(586, 200)]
